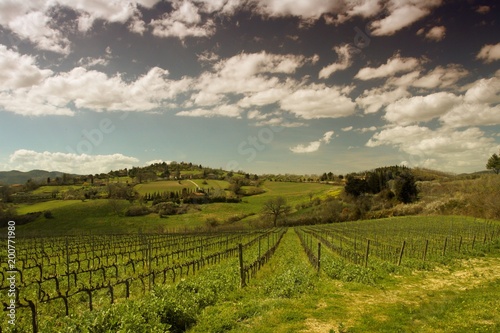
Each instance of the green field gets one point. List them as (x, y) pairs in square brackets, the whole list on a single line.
[(103, 215)]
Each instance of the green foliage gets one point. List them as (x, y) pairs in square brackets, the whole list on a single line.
[(347, 272), (494, 163), (398, 179), (294, 281), (405, 188), (131, 316), (137, 211)]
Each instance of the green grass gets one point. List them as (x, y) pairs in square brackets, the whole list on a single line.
[(76, 217), (164, 186), (93, 216), (47, 205)]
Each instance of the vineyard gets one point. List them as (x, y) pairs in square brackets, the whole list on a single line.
[(59, 278)]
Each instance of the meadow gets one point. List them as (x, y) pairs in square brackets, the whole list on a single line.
[(104, 215)]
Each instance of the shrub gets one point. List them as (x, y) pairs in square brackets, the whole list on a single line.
[(137, 211)]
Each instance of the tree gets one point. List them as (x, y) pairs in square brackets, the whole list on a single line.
[(355, 186), (276, 208), (405, 187), (494, 163)]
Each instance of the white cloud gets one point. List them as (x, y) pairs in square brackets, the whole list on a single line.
[(318, 101), (327, 137), (94, 90), (184, 21), (231, 111), (484, 91), (344, 61), (444, 149), (92, 62), (489, 53), (347, 129), (314, 145), (309, 148), (35, 27), (305, 9), (367, 129), (436, 33), (420, 108), (255, 114), (248, 74), (266, 97), (25, 160), (465, 115), (137, 25), (442, 77), (483, 9), (19, 71), (373, 100), (352, 8), (402, 13), (393, 66)]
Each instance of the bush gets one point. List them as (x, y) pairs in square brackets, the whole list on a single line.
[(137, 211), (48, 214)]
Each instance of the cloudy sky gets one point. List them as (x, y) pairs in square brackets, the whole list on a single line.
[(264, 86)]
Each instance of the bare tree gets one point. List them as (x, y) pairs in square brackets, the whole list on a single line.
[(275, 208)]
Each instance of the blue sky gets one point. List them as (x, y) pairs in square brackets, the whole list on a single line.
[(264, 86)]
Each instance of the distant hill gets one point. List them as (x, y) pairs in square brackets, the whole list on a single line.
[(20, 177)]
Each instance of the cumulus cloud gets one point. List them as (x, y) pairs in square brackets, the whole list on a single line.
[(305, 9), (248, 73), (25, 160), (349, 9), (442, 77), (314, 145), (489, 53), (483, 9), (393, 66), (435, 34), (420, 108), (231, 111), (19, 71), (344, 61), (373, 100), (35, 27), (266, 97), (402, 14), (466, 114), (318, 101), (184, 21), (93, 90), (444, 148), (31, 20)]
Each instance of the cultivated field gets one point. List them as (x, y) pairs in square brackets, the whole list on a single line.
[(412, 274), (87, 267)]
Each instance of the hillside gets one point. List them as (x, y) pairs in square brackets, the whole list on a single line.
[(20, 177)]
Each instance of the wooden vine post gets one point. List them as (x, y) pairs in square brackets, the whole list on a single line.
[(367, 253), (401, 253), (242, 271), (319, 256)]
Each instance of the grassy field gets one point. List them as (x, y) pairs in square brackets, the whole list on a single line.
[(163, 186), (104, 216)]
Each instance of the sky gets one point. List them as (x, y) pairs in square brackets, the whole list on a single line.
[(263, 86)]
